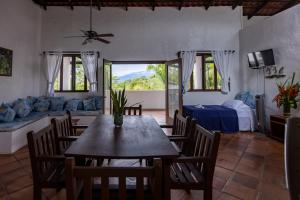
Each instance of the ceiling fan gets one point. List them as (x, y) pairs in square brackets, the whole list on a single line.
[(91, 35)]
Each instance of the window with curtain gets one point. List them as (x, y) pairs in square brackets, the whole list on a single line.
[(205, 76), (71, 76)]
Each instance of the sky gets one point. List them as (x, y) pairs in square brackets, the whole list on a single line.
[(123, 69)]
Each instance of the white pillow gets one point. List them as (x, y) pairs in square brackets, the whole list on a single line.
[(234, 104)]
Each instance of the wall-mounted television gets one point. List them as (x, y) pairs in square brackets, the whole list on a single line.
[(261, 59)]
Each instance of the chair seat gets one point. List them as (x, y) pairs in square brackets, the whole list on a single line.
[(187, 175)]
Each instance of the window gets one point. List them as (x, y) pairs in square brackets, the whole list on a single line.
[(205, 76), (71, 76)]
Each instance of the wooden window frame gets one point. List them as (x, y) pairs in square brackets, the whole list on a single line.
[(203, 56), (73, 74)]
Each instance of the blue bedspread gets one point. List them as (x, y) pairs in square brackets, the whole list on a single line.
[(214, 117)]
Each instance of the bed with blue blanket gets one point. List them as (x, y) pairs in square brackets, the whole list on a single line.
[(214, 117), (230, 117)]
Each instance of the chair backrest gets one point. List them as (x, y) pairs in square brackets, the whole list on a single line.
[(76, 174), (42, 144), (181, 124), (133, 110), (204, 144), (63, 127)]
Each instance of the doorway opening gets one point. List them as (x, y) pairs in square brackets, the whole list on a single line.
[(153, 84)]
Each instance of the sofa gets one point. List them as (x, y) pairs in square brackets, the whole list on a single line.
[(35, 113)]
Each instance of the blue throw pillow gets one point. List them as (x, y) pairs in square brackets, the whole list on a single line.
[(22, 108), (57, 103), (7, 114), (72, 105), (42, 105), (89, 104), (98, 101), (31, 100), (80, 105)]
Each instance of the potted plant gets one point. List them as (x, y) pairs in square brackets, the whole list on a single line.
[(119, 101), (287, 95)]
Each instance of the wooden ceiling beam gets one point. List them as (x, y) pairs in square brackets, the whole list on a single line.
[(237, 3), (289, 4), (258, 8)]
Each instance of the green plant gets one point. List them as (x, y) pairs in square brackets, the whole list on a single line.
[(119, 100)]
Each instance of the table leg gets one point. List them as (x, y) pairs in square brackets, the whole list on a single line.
[(166, 190)]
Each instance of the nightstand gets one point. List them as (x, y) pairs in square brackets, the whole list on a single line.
[(277, 125)]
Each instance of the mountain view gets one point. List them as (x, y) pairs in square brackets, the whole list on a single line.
[(153, 78)]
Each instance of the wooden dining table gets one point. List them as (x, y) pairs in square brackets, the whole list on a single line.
[(140, 137)]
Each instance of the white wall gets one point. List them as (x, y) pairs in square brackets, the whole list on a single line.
[(281, 33), (20, 23), (141, 34)]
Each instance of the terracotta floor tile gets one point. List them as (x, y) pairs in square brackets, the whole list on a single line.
[(19, 184), (225, 196), (25, 193), (249, 166), (240, 191), (245, 180)]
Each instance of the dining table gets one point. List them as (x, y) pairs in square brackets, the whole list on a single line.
[(140, 137)]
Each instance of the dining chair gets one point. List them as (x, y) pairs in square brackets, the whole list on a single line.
[(181, 130), (195, 172), (46, 163), (85, 176), (133, 110), (65, 131)]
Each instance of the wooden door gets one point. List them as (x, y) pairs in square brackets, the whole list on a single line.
[(107, 80), (173, 88)]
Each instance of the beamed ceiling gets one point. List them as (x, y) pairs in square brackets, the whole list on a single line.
[(250, 7)]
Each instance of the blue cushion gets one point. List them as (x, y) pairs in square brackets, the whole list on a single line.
[(22, 108), (80, 105), (247, 98), (31, 100), (72, 105), (98, 101), (7, 114), (89, 104), (56, 103), (42, 105)]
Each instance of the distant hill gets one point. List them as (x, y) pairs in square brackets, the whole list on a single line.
[(135, 75)]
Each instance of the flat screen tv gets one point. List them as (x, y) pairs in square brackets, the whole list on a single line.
[(261, 59)]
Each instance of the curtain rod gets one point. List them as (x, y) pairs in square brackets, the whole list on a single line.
[(69, 52), (207, 51)]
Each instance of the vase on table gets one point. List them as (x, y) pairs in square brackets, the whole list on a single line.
[(118, 119), (286, 110)]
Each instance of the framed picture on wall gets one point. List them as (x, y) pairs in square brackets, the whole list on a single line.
[(6, 62)]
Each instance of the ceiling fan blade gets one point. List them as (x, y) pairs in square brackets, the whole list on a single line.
[(84, 32), (85, 41), (102, 40), (75, 36), (106, 35)]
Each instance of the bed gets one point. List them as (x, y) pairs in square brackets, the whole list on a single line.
[(230, 117)]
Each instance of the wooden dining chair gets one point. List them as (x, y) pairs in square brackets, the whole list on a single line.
[(76, 175), (181, 130), (133, 110), (46, 163), (195, 172), (65, 131)]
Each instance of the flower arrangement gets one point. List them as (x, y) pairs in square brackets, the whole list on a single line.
[(287, 94), (119, 101)]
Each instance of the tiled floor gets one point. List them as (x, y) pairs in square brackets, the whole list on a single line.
[(249, 166)]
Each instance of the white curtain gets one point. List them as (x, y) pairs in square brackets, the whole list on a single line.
[(53, 63), (188, 61), (223, 62), (90, 63)]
